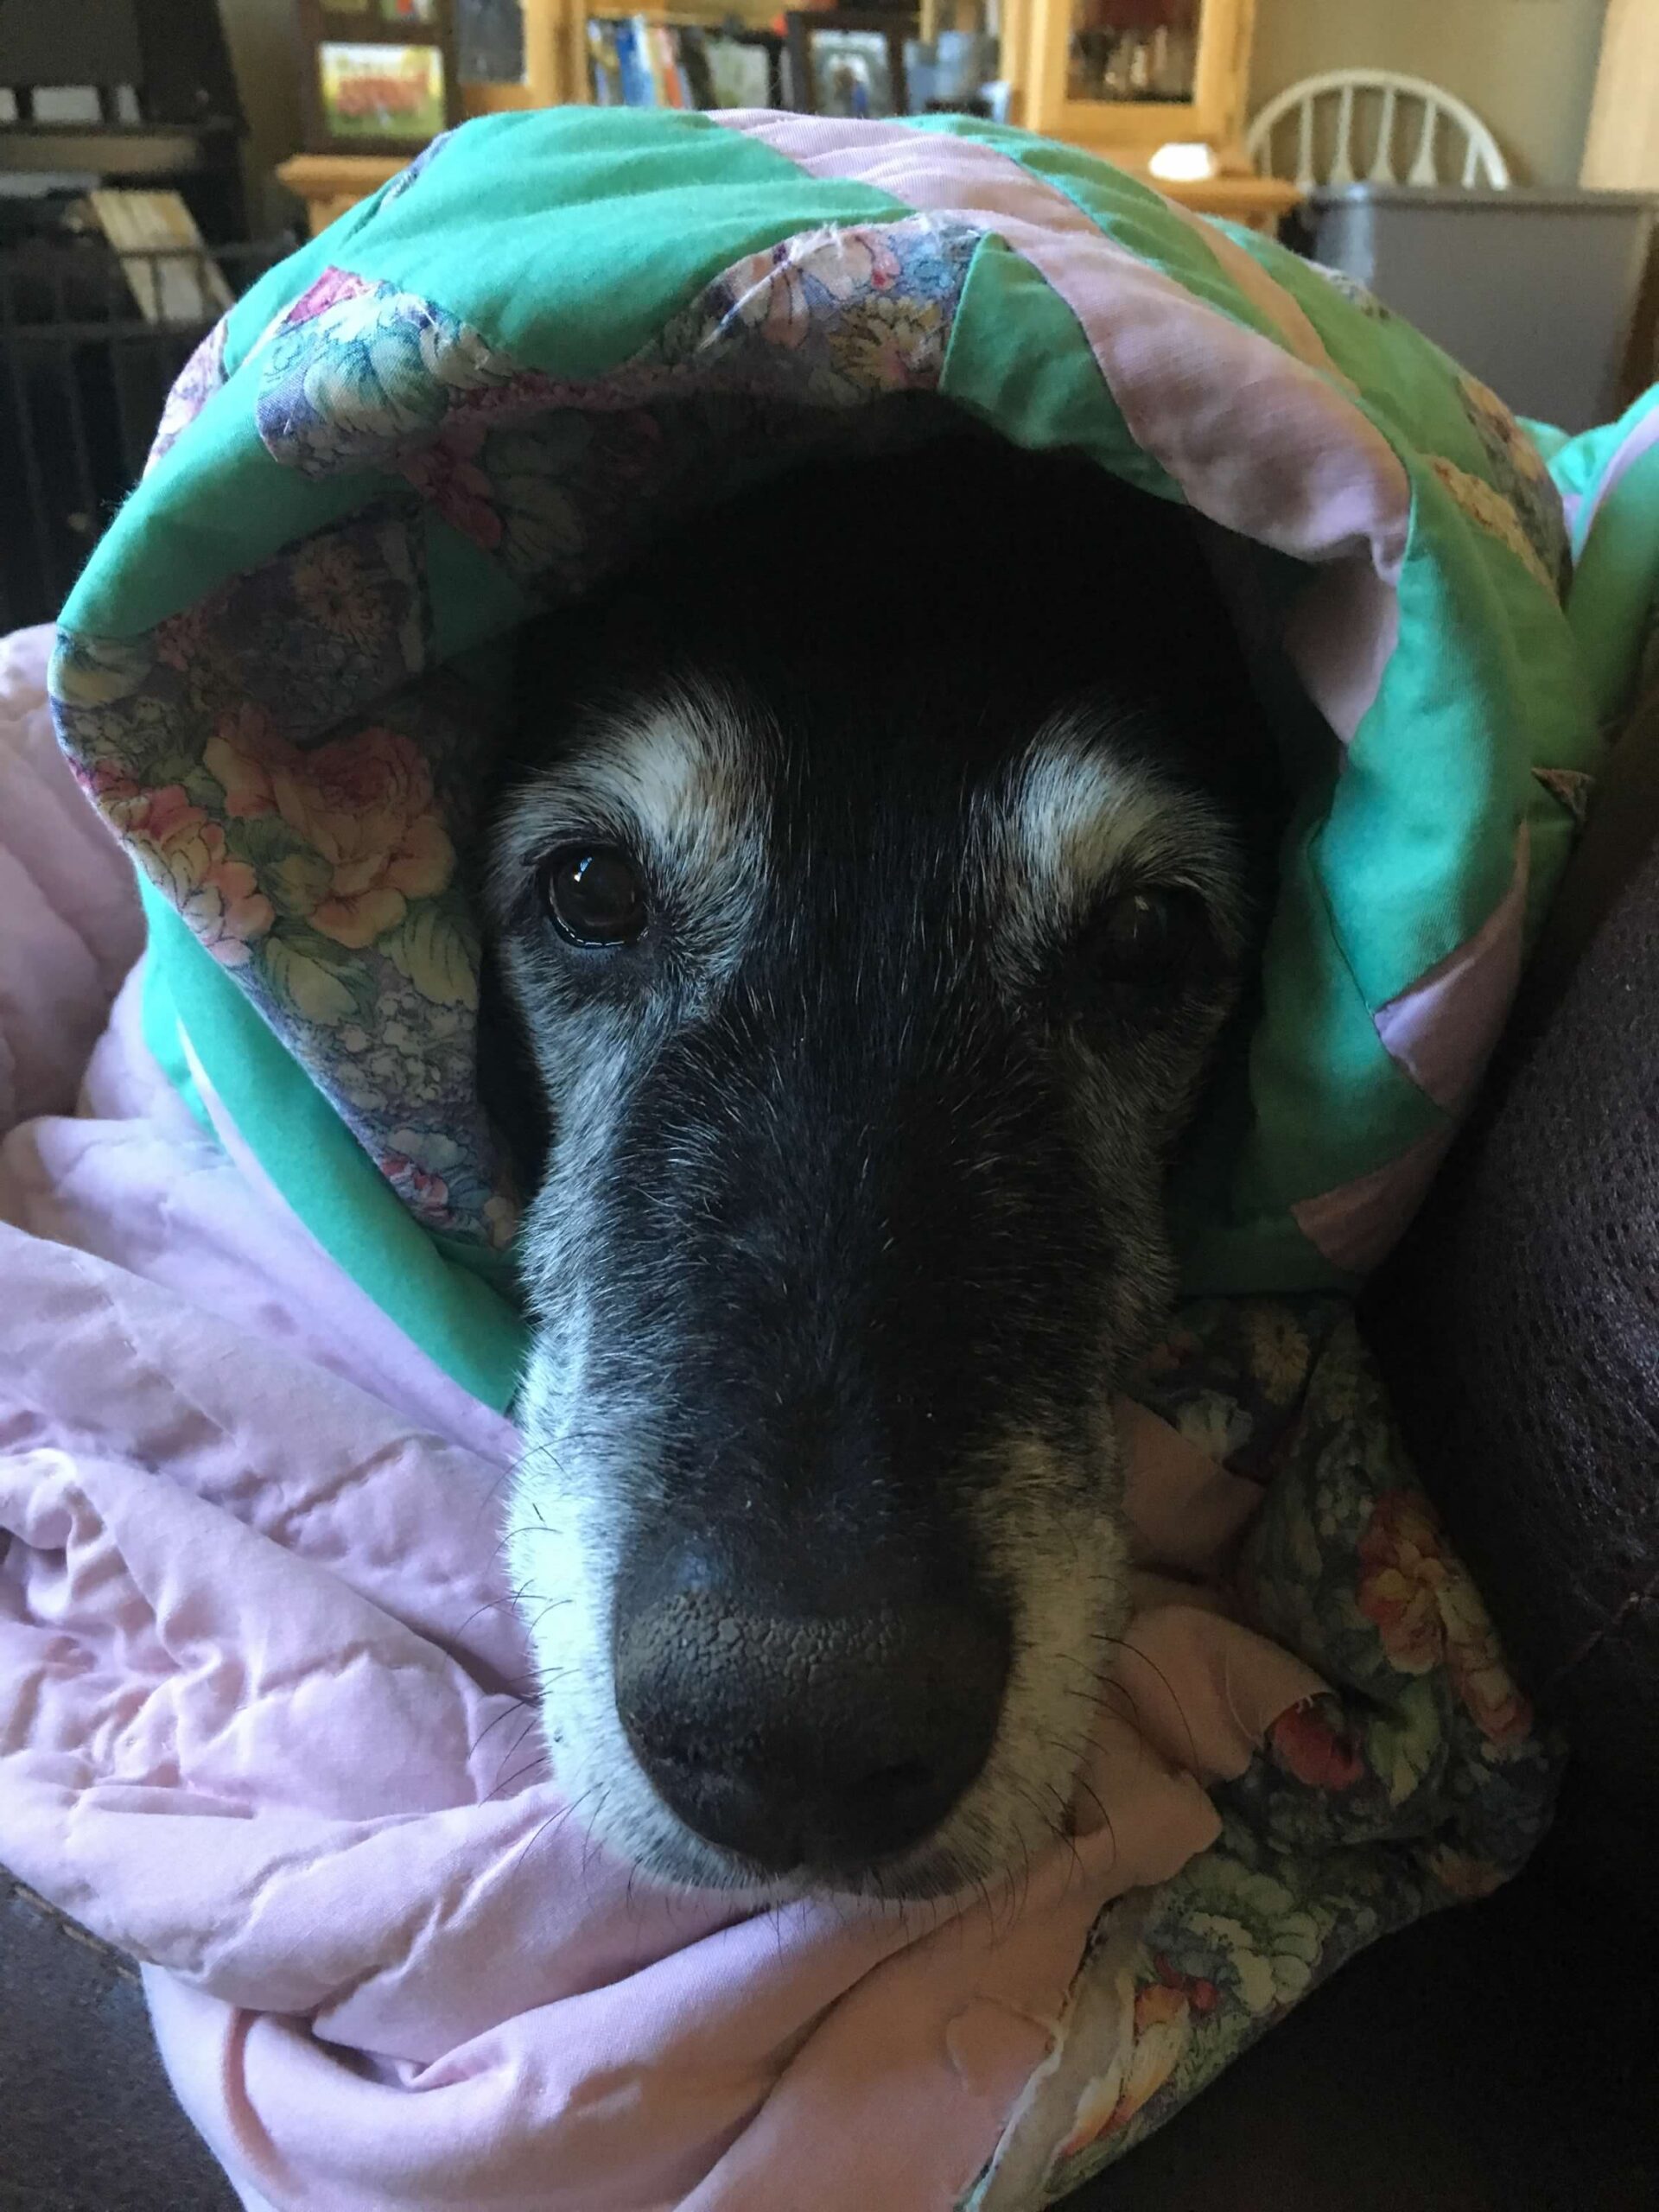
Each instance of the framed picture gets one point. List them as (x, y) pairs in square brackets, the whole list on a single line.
[(848, 64), (379, 74)]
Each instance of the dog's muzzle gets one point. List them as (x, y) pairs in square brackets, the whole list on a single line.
[(799, 1714)]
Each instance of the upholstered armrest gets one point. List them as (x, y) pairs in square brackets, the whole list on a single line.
[(1520, 1327)]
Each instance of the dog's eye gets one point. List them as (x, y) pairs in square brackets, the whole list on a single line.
[(1144, 938), (1144, 930), (595, 895)]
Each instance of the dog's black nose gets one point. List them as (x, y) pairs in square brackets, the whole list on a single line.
[(804, 1730)]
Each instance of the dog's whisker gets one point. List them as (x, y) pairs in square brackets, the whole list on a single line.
[(557, 1819), (519, 1706), (506, 1782)]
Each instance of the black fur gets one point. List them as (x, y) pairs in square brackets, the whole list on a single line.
[(873, 1229)]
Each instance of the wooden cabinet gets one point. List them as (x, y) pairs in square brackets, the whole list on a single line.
[(1123, 77)]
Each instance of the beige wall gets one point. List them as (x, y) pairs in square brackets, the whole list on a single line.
[(1526, 66), (265, 52)]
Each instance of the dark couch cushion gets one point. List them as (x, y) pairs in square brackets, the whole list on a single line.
[(87, 2120), (1519, 1331)]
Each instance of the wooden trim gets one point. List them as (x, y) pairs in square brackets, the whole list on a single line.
[(330, 184), (1013, 56), (1259, 202), (1621, 152)]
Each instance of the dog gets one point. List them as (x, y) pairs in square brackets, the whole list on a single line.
[(877, 868)]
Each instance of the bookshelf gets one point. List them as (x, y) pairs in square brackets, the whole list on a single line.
[(558, 50), (1119, 77), (716, 56)]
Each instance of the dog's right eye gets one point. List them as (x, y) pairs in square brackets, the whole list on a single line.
[(594, 895), (1147, 938), (1142, 952)]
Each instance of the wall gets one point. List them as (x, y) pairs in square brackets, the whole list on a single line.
[(1623, 152), (265, 52), (1527, 67)]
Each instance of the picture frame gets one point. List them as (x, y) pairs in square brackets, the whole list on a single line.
[(378, 76), (847, 64)]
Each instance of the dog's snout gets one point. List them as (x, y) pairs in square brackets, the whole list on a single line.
[(828, 1739)]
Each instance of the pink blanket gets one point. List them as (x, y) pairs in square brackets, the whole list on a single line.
[(260, 1721)]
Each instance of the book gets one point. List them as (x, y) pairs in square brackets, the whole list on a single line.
[(638, 90), (604, 64), (166, 265), (650, 58), (694, 63), (740, 71), (665, 65)]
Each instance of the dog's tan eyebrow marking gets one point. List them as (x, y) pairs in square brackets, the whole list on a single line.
[(1080, 811), (1074, 815), (1079, 814), (683, 784)]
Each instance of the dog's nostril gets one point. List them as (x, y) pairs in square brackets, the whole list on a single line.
[(831, 1741)]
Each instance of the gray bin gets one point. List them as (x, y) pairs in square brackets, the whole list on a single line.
[(1533, 290)]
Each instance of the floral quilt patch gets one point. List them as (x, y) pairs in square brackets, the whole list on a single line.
[(324, 875), (1421, 1779)]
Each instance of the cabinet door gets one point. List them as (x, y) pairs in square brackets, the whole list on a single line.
[(1131, 74)]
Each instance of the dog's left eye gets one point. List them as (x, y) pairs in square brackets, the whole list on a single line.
[(595, 895)]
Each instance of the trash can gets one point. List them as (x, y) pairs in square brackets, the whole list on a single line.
[(1533, 290)]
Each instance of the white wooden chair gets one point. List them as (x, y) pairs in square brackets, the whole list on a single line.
[(1399, 101)]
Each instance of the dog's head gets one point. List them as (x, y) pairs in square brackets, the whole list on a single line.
[(870, 890)]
